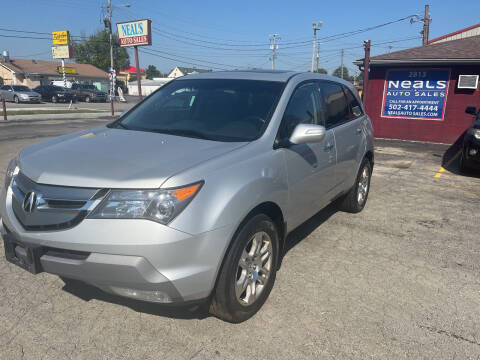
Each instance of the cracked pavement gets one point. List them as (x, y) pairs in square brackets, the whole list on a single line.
[(399, 280)]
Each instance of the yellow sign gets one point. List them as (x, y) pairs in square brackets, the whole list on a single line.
[(60, 37), (68, 70)]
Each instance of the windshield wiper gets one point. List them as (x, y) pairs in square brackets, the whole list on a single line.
[(183, 132)]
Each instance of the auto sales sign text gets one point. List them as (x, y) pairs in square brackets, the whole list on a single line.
[(135, 33), (415, 94)]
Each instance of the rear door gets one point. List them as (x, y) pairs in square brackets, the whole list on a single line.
[(310, 167), (347, 128)]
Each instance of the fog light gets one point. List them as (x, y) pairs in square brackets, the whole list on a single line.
[(473, 152), (146, 295)]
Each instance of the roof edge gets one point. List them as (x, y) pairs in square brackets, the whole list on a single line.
[(453, 33), (419, 61)]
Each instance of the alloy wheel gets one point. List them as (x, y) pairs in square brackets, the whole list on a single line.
[(254, 267), (363, 185)]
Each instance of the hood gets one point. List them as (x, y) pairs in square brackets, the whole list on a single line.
[(115, 158), (29, 93)]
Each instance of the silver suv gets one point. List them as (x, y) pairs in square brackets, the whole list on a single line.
[(190, 194)]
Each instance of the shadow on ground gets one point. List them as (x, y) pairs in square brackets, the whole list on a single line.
[(87, 292)]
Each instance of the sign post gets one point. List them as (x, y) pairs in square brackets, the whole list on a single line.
[(135, 33), (62, 49)]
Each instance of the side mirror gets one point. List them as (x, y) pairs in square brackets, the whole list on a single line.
[(472, 110), (307, 133), (357, 111)]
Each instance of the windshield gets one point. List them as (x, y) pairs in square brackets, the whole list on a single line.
[(213, 109), (20, 88)]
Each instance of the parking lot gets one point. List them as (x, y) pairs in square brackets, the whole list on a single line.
[(399, 280)]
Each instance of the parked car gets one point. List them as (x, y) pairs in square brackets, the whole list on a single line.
[(19, 93), (55, 93), (88, 93), (190, 194), (470, 156)]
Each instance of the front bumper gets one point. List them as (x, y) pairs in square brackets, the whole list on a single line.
[(134, 258), (30, 99)]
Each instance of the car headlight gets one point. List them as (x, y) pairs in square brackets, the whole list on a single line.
[(61, 94), (161, 205), (475, 133), (23, 96), (12, 171)]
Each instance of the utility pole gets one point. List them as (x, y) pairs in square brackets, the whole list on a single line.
[(318, 55), (426, 26), (315, 26), (112, 88), (341, 66), (274, 48), (390, 48), (366, 69)]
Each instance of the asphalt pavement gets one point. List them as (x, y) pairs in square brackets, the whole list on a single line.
[(398, 281)]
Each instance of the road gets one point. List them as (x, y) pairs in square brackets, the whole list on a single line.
[(398, 281), (119, 106)]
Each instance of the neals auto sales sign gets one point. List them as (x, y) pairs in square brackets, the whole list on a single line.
[(135, 33), (416, 94)]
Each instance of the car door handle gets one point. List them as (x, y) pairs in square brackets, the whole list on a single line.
[(359, 131), (328, 147)]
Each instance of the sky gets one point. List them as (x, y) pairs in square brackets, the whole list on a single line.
[(223, 35)]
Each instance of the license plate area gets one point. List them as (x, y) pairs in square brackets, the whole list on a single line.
[(23, 255)]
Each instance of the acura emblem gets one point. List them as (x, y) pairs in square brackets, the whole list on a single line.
[(30, 202)]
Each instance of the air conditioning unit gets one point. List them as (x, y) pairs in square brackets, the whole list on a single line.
[(467, 82)]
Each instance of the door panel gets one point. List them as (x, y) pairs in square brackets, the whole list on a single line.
[(310, 167)]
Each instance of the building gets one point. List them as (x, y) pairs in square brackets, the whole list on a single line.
[(182, 71), (421, 93), (130, 74), (32, 72), (148, 86)]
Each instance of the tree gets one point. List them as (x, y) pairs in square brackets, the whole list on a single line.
[(96, 51), (338, 73), (152, 72), (321, 71)]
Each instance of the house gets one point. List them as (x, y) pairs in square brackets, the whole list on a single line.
[(31, 73), (421, 93), (182, 71), (148, 86)]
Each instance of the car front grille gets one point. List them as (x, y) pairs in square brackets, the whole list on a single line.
[(41, 207)]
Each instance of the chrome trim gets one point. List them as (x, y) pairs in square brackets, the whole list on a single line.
[(42, 203)]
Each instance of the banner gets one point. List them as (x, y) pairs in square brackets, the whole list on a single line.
[(415, 94)]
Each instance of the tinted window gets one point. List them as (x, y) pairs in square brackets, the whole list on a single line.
[(57, 88), (353, 104), (214, 109), (6, 87), (335, 102), (303, 108)]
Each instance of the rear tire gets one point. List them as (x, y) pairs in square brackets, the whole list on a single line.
[(248, 272), (87, 99), (354, 201)]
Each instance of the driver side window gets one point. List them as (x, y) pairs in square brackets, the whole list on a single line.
[(304, 107)]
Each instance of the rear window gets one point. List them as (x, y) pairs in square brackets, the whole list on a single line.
[(336, 104)]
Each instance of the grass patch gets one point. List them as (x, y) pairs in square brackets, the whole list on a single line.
[(39, 112)]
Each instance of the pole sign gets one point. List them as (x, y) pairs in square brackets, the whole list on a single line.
[(62, 52), (60, 37), (135, 33), (415, 94), (68, 70)]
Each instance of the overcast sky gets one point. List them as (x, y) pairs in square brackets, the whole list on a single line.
[(235, 34)]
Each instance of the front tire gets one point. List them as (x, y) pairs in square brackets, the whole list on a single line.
[(54, 99), (249, 270), (354, 201), (16, 99), (87, 99)]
